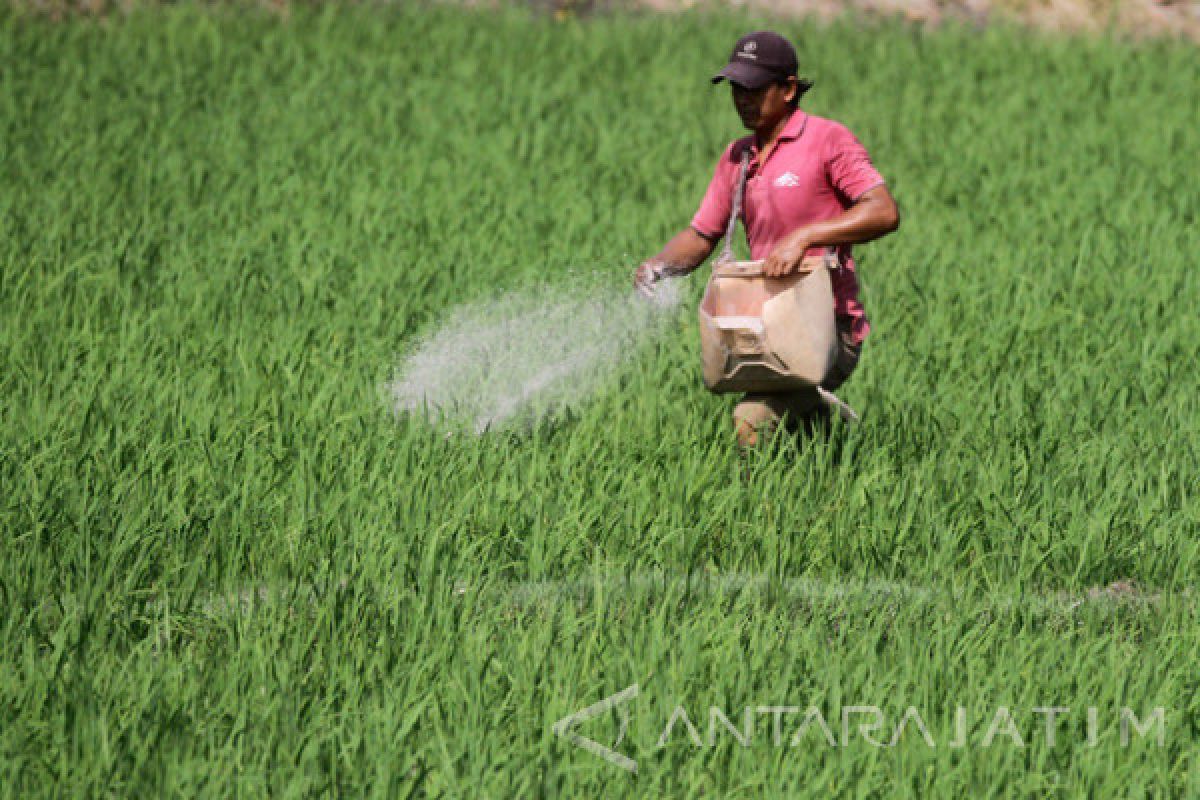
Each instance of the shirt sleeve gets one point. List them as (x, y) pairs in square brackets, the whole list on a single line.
[(713, 214), (848, 166)]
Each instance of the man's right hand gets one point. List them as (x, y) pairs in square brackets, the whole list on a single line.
[(648, 274), (686, 251)]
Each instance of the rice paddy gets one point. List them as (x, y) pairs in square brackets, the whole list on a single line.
[(229, 567)]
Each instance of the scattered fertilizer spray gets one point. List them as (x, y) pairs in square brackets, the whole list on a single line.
[(527, 355)]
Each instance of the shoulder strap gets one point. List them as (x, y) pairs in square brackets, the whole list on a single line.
[(735, 212)]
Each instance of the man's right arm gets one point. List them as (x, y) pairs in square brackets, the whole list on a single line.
[(686, 251), (691, 246)]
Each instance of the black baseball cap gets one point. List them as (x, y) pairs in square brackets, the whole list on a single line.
[(761, 58)]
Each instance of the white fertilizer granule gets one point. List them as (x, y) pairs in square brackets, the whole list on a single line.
[(526, 355)]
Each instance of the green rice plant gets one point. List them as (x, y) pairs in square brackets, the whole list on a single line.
[(228, 568)]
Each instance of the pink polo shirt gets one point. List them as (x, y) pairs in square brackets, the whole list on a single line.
[(816, 171)]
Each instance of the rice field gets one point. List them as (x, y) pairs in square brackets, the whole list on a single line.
[(229, 568)]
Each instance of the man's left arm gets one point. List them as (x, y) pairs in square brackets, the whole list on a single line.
[(872, 215)]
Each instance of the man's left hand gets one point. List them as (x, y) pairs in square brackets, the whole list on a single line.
[(788, 256)]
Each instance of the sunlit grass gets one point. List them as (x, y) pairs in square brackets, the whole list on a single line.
[(222, 231)]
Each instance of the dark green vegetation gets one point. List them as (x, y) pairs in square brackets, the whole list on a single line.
[(224, 566)]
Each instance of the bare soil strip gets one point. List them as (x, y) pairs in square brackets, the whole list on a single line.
[(1133, 18)]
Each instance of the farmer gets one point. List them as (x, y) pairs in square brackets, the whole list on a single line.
[(810, 185)]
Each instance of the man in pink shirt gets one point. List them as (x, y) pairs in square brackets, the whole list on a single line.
[(810, 186)]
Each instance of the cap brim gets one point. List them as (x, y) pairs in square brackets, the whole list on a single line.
[(747, 75)]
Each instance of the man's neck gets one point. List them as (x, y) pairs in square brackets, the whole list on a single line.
[(766, 137)]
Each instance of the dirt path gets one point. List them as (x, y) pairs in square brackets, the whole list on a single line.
[(1136, 18)]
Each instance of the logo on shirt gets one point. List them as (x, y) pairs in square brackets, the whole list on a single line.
[(787, 179)]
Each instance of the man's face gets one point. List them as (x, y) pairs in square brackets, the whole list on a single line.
[(760, 109)]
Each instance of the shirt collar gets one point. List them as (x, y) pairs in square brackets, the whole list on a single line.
[(794, 129), (795, 125)]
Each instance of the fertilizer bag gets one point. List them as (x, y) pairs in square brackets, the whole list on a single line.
[(760, 334)]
